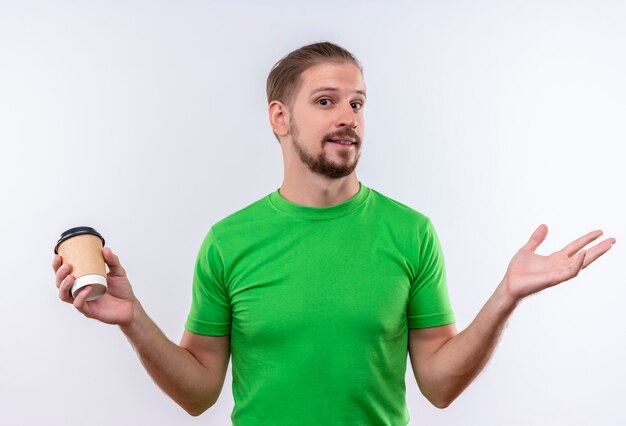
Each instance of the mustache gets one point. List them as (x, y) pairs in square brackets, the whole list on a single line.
[(347, 132)]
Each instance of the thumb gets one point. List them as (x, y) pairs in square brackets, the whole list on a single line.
[(537, 238), (115, 267)]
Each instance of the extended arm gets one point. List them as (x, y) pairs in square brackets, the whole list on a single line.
[(445, 362)]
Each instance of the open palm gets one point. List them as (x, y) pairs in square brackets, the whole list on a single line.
[(530, 273)]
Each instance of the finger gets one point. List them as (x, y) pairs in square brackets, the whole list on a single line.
[(62, 273), (80, 301), (56, 262), (575, 246), (580, 261), (64, 289), (573, 269), (598, 250), (537, 238), (115, 267)]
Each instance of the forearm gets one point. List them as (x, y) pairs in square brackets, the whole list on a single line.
[(457, 363), (174, 369)]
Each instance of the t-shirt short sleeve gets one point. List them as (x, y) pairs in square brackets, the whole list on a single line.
[(210, 312), (429, 304)]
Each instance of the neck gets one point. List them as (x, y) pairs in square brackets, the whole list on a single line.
[(319, 191)]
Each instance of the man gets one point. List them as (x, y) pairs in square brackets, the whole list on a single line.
[(320, 288)]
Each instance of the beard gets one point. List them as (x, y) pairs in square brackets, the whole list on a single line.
[(321, 164)]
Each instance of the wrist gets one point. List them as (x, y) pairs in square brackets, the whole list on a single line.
[(503, 298), (134, 324)]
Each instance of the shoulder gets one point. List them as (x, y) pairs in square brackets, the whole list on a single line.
[(244, 220), (399, 212)]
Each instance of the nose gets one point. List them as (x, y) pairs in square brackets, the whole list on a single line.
[(347, 117)]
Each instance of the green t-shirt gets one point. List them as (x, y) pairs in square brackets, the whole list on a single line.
[(318, 302)]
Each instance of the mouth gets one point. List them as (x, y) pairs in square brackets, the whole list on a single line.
[(346, 142)]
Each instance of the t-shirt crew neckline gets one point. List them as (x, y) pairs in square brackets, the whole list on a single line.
[(319, 213)]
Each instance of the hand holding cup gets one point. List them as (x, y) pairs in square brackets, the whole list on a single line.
[(115, 305)]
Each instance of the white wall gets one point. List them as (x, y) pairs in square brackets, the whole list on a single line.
[(147, 120)]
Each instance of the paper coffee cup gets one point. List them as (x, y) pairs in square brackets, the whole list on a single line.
[(81, 247)]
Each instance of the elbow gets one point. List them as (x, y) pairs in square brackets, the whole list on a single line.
[(195, 410), (440, 396), (441, 401)]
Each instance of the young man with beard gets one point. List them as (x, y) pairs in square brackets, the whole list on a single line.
[(320, 289)]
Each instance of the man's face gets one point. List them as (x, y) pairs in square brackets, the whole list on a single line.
[(327, 109)]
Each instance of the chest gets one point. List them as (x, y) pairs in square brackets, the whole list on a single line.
[(328, 284)]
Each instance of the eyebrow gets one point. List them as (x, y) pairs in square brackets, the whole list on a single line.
[(334, 89)]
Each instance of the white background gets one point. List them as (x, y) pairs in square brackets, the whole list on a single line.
[(148, 121)]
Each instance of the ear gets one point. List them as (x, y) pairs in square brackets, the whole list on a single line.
[(279, 118)]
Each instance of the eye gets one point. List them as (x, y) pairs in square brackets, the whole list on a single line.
[(324, 100), (359, 105)]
